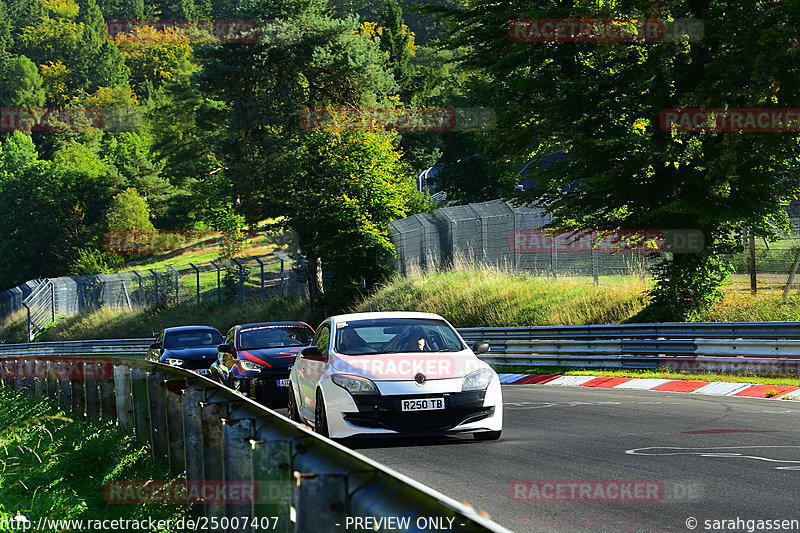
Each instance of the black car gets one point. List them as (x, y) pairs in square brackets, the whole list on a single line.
[(255, 359), (189, 347)]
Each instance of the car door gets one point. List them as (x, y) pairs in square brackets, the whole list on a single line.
[(309, 371)]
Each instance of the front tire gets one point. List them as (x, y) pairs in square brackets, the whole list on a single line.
[(291, 406), (320, 416), (487, 435)]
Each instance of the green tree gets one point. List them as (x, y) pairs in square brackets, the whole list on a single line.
[(602, 102), (20, 83), (129, 212)]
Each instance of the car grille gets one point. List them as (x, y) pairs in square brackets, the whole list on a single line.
[(376, 411)]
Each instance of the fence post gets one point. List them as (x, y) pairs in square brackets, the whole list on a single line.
[(139, 296), (595, 273), (219, 293), (197, 273), (52, 300), (283, 257), (261, 287), (30, 337), (241, 279), (791, 275), (155, 279), (177, 287), (752, 264)]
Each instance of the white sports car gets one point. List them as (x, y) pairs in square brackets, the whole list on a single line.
[(394, 373)]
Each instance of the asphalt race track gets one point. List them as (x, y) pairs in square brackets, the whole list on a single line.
[(616, 460)]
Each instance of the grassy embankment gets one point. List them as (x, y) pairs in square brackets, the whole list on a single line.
[(465, 296), (54, 467)]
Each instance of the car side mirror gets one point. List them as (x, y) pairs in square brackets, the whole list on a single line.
[(225, 348), (480, 347), (155, 346), (313, 353)]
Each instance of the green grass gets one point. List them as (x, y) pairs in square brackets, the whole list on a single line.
[(492, 297), (111, 324), (660, 373), (52, 466)]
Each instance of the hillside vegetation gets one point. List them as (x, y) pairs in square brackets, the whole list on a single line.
[(466, 296)]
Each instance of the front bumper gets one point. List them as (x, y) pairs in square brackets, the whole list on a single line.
[(377, 411), (381, 414)]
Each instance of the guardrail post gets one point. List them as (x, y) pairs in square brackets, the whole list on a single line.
[(122, 387), (90, 372), (141, 405), (272, 474), (173, 397), (158, 416), (78, 389), (19, 375), (64, 388), (321, 500), (236, 437), (51, 385), (193, 433), (40, 373), (108, 397), (30, 373), (211, 415)]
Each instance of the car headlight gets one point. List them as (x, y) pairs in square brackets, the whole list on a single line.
[(477, 380), (251, 367), (354, 384), (174, 362)]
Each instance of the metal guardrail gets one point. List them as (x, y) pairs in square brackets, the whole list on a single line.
[(665, 330), (99, 347), (199, 427), (759, 346)]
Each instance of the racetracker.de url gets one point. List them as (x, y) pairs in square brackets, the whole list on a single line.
[(203, 523)]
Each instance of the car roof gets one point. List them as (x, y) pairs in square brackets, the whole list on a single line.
[(290, 324), (385, 314), (187, 328)]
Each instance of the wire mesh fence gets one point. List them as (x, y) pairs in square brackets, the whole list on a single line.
[(214, 281), (500, 234)]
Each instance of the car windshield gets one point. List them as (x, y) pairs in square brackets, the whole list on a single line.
[(396, 335), (258, 337), (191, 338)]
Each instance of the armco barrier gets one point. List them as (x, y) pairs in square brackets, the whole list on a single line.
[(196, 426)]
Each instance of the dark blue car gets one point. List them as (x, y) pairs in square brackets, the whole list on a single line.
[(189, 347), (255, 359)]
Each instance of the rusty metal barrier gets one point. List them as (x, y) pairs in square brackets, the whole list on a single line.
[(301, 482)]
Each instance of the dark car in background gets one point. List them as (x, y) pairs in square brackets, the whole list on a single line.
[(255, 359), (189, 347)]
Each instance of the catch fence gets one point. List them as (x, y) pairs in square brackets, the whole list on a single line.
[(213, 281)]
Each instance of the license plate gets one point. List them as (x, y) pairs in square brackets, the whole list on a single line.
[(425, 404), (203, 371), (283, 383)]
